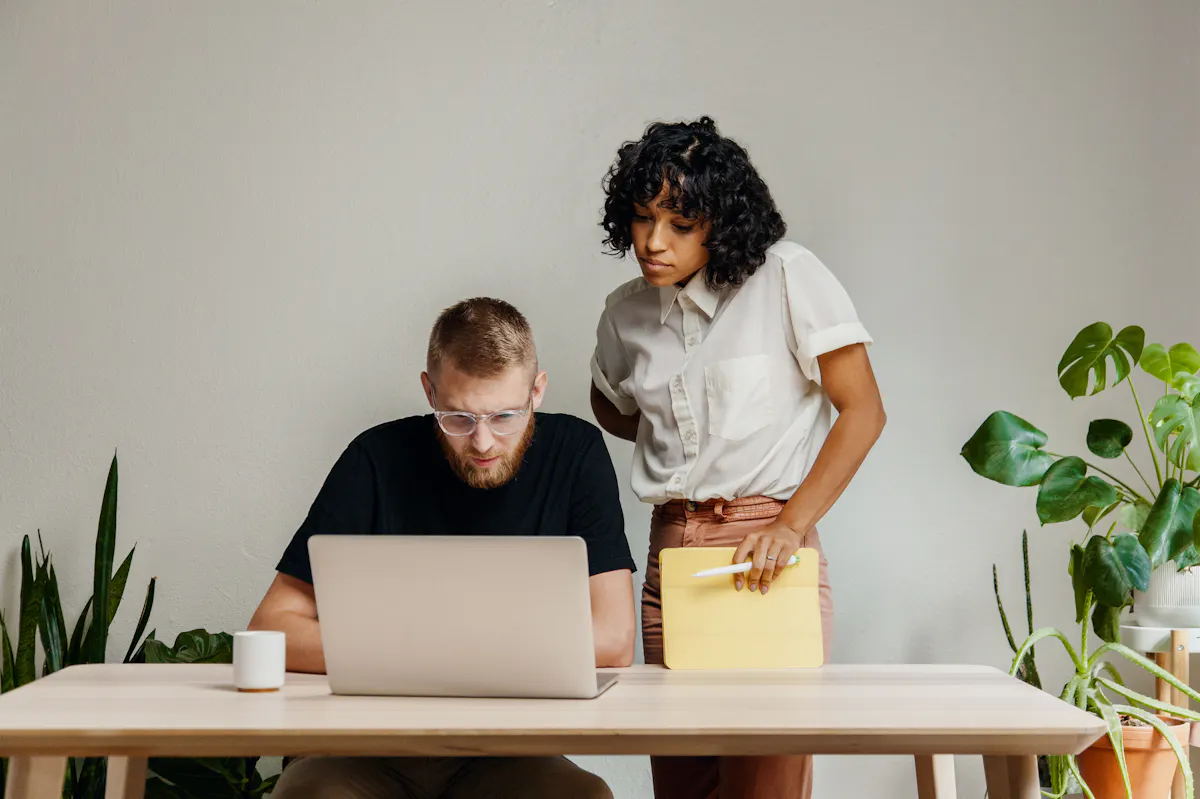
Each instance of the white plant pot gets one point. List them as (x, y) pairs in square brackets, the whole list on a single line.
[(1172, 601)]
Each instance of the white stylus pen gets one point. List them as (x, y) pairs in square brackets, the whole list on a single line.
[(736, 568)]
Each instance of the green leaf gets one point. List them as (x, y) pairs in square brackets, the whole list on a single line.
[(75, 651), (142, 620), (1106, 621), (1112, 719), (1133, 557), (116, 589), (1105, 573), (96, 642), (50, 623), (27, 622), (8, 666), (1089, 352), (1094, 513), (1168, 530), (1066, 491), (1078, 582), (193, 646), (1189, 558), (1177, 429), (1188, 385), (1135, 515), (1166, 366), (1008, 449), (1108, 438)]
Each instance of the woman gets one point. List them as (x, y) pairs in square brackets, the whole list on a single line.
[(723, 362)]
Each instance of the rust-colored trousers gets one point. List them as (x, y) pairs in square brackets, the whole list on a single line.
[(721, 524)]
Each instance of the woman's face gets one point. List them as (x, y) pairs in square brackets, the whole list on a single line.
[(669, 247)]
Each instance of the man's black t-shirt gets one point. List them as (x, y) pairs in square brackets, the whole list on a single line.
[(394, 480)]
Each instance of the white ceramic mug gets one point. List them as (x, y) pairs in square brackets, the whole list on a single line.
[(259, 660)]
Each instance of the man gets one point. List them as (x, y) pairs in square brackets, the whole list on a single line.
[(481, 464)]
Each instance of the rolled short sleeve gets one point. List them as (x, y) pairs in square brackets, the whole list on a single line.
[(611, 366), (822, 316)]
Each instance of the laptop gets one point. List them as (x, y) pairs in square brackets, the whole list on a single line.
[(470, 616)]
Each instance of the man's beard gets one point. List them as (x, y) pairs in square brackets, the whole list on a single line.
[(494, 477)]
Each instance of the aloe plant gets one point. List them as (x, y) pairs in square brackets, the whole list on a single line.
[(1158, 510), (41, 618)]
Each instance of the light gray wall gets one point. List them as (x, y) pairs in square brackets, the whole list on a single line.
[(225, 229)]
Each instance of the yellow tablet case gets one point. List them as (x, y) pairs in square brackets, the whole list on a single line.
[(709, 625)]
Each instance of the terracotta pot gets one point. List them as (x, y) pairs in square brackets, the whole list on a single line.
[(1148, 756)]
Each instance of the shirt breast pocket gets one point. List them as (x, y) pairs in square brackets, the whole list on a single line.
[(739, 396)]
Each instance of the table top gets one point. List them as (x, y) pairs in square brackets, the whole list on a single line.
[(193, 710)]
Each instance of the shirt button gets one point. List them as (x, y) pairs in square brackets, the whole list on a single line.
[(689, 435), (692, 341), (676, 383)]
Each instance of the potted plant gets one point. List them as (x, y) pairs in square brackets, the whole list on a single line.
[(41, 618), (1109, 568)]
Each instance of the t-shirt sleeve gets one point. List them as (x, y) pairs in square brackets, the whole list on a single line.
[(821, 315), (344, 505), (611, 366), (596, 514)]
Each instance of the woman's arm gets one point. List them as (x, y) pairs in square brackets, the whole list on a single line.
[(611, 419), (849, 381)]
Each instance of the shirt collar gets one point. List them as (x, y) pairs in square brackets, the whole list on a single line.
[(696, 290)]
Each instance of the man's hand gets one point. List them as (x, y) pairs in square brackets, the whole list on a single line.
[(613, 622), (769, 549)]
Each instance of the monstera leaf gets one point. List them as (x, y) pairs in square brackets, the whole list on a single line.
[(1176, 423), (193, 646), (1008, 449), (1066, 491), (1089, 353), (1167, 365), (1108, 438), (1169, 529)]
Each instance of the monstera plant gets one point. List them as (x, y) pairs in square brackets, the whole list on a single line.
[(1134, 525), (1129, 534)]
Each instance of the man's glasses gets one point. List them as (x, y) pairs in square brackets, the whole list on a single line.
[(501, 423)]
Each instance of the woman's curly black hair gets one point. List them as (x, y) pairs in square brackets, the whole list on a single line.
[(708, 178)]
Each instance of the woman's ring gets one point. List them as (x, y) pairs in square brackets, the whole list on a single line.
[(770, 557)]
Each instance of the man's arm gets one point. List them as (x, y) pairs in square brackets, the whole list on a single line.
[(290, 606), (613, 625)]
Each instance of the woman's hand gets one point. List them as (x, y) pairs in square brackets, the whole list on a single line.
[(769, 548)]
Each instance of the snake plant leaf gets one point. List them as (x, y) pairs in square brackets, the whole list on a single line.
[(51, 625), (1108, 438), (142, 621), (75, 650), (1090, 352), (96, 641), (8, 666), (1134, 516), (1137, 563), (1008, 450), (1166, 365), (27, 623), (1066, 491), (116, 588), (1169, 529), (1105, 572), (1176, 424)]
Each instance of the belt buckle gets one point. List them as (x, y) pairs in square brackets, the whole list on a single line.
[(690, 506)]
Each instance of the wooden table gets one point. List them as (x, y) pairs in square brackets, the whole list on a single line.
[(132, 712)]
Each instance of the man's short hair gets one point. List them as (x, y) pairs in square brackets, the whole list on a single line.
[(481, 336)]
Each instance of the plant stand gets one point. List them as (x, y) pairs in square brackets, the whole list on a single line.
[(1171, 649)]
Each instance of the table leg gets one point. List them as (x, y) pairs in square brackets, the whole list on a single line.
[(1023, 777), (1180, 668), (935, 777), (995, 770), (1162, 688), (35, 777), (126, 778)]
